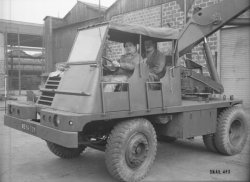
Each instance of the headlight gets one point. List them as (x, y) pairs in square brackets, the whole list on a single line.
[(56, 120)]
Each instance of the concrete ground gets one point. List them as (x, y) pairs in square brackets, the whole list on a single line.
[(24, 158)]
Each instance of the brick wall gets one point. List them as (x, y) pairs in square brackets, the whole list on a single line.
[(172, 15), (148, 17)]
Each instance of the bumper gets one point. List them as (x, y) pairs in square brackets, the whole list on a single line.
[(63, 138)]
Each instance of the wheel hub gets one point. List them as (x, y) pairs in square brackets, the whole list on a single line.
[(235, 132), (137, 150)]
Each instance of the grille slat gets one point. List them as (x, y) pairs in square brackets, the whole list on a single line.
[(51, 86), (46, 97), (44, 103), (53, 81)]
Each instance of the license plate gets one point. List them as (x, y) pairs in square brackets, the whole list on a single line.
[(29, 128)]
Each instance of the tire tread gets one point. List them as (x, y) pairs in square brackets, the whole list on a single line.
[(114, 146)]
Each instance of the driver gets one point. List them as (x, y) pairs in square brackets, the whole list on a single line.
[(125, 66)]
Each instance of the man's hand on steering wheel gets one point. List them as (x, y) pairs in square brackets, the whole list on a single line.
[(116, 64), (111, 68)]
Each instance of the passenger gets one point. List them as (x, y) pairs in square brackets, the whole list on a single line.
[(125, 65), (155, 60)]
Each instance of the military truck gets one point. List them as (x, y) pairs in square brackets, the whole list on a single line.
[(74, 111)]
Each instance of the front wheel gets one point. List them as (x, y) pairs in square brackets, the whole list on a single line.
[(64, 152), (131, 149)]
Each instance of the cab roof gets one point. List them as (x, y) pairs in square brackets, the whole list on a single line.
[(121, 32), (147, 31)]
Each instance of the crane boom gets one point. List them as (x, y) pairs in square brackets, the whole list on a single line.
[(209, 20)]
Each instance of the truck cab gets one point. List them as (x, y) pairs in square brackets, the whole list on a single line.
[(74, 111), (85, 68)]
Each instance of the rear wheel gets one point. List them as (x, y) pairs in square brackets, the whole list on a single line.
[(131, 149), (231, 133), (64, 152)]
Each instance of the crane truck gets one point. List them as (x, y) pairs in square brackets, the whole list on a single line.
[(74, 111)]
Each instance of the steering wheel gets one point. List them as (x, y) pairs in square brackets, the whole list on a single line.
[(107, 67)]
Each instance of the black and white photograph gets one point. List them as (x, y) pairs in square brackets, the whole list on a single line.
[(124, 90)]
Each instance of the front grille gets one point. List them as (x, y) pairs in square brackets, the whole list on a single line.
[(47, 97), (52, 82)]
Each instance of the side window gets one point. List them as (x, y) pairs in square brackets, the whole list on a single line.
[(119, 60), (166, 49), (113, 50)]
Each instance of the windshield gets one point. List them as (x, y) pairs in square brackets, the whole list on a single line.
[(87, 44)]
